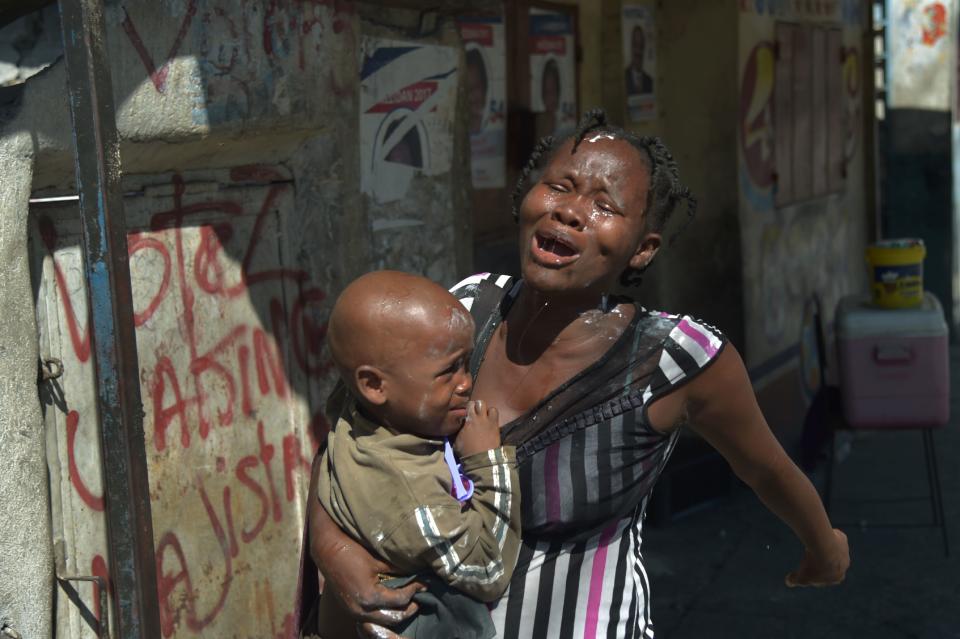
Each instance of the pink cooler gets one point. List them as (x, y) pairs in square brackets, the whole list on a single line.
[(894, 367)]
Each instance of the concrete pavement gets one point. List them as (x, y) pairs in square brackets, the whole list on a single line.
[(718, 572)]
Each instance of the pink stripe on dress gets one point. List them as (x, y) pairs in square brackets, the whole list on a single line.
[(698, 337), (551, 481), (596, 582)]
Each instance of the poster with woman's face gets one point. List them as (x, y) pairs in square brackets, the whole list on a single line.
[(553, 72), (640, 62), (486, 83)]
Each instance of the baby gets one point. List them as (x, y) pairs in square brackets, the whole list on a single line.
[(388, 476)]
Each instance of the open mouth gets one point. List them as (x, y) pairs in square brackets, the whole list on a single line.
[(553, 250)]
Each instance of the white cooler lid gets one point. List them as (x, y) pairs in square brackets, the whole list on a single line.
[(857, 317)]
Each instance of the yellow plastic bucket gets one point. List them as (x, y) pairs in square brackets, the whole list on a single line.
[(896, 268)]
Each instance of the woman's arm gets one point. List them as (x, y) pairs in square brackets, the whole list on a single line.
[(351, 574), (722, 408)]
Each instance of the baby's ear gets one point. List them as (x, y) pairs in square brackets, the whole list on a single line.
[(370, 384)]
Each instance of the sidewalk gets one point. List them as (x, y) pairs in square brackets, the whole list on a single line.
[(719, 572)]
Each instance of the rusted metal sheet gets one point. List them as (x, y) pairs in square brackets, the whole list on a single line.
[(126, 497), (233, 371)]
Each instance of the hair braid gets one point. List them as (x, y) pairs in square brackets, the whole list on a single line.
[(665, 190)]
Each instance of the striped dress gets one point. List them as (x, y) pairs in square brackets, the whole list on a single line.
[(588, 459)]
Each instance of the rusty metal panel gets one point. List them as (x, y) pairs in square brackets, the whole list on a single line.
[(802, 114), (233, 370), (820, 69), (783, 112), (119, 408)]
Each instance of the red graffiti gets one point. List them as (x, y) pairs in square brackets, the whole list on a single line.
[(288, 23), (934, 23), (305, 330), (91, 500), (288, 26), (137, 242), (158, 75), (79, 337), (212, 372), (167, 583), (254, 473)]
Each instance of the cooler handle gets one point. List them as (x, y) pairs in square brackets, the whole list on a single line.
[(892, 355)]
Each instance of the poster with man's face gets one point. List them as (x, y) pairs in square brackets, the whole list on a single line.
[(553, 72), (486, 82), (640, 63)]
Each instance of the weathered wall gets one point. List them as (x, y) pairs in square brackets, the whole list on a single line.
[(815, 247), (29, 44), (26, 553), (240, 144), (696, 105)]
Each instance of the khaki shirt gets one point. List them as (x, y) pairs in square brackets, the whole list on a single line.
[(392, 492)]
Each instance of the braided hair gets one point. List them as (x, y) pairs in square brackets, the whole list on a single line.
[(663, 195)]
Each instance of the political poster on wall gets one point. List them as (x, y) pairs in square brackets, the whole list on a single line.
[(407, 103), (640, 61), (553, 72), (920, 36), (486, 83)]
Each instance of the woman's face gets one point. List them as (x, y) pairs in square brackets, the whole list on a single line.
[(582, 223)]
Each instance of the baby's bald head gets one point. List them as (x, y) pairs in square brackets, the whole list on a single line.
[(383, 317)]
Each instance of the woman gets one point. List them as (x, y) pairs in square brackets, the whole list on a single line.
[(593, 389)]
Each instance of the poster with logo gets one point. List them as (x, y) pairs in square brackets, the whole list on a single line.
[(486, 83), (639, 61), (407, 108), (553, 72), (920, 53)]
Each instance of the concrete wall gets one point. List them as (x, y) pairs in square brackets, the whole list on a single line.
[(793, 252), (695, 86), (240, 131), (812, 248)]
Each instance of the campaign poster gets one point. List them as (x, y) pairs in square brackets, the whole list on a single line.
[(639, 61), (553, 72), (486, 83), (407, 108)]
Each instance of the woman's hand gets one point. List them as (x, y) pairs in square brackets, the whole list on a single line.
[(352, 575), (722, 408), (823, 568)]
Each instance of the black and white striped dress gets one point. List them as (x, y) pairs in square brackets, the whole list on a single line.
[(588, 459)]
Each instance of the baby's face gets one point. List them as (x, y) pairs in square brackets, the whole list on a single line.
[(429, 384)]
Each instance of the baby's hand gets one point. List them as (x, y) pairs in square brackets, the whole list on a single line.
[(824, 568), (480, 431)]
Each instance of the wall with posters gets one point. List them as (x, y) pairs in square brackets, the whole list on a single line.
[(689, 53), (801, 171), (249, 206), (484, 41)]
